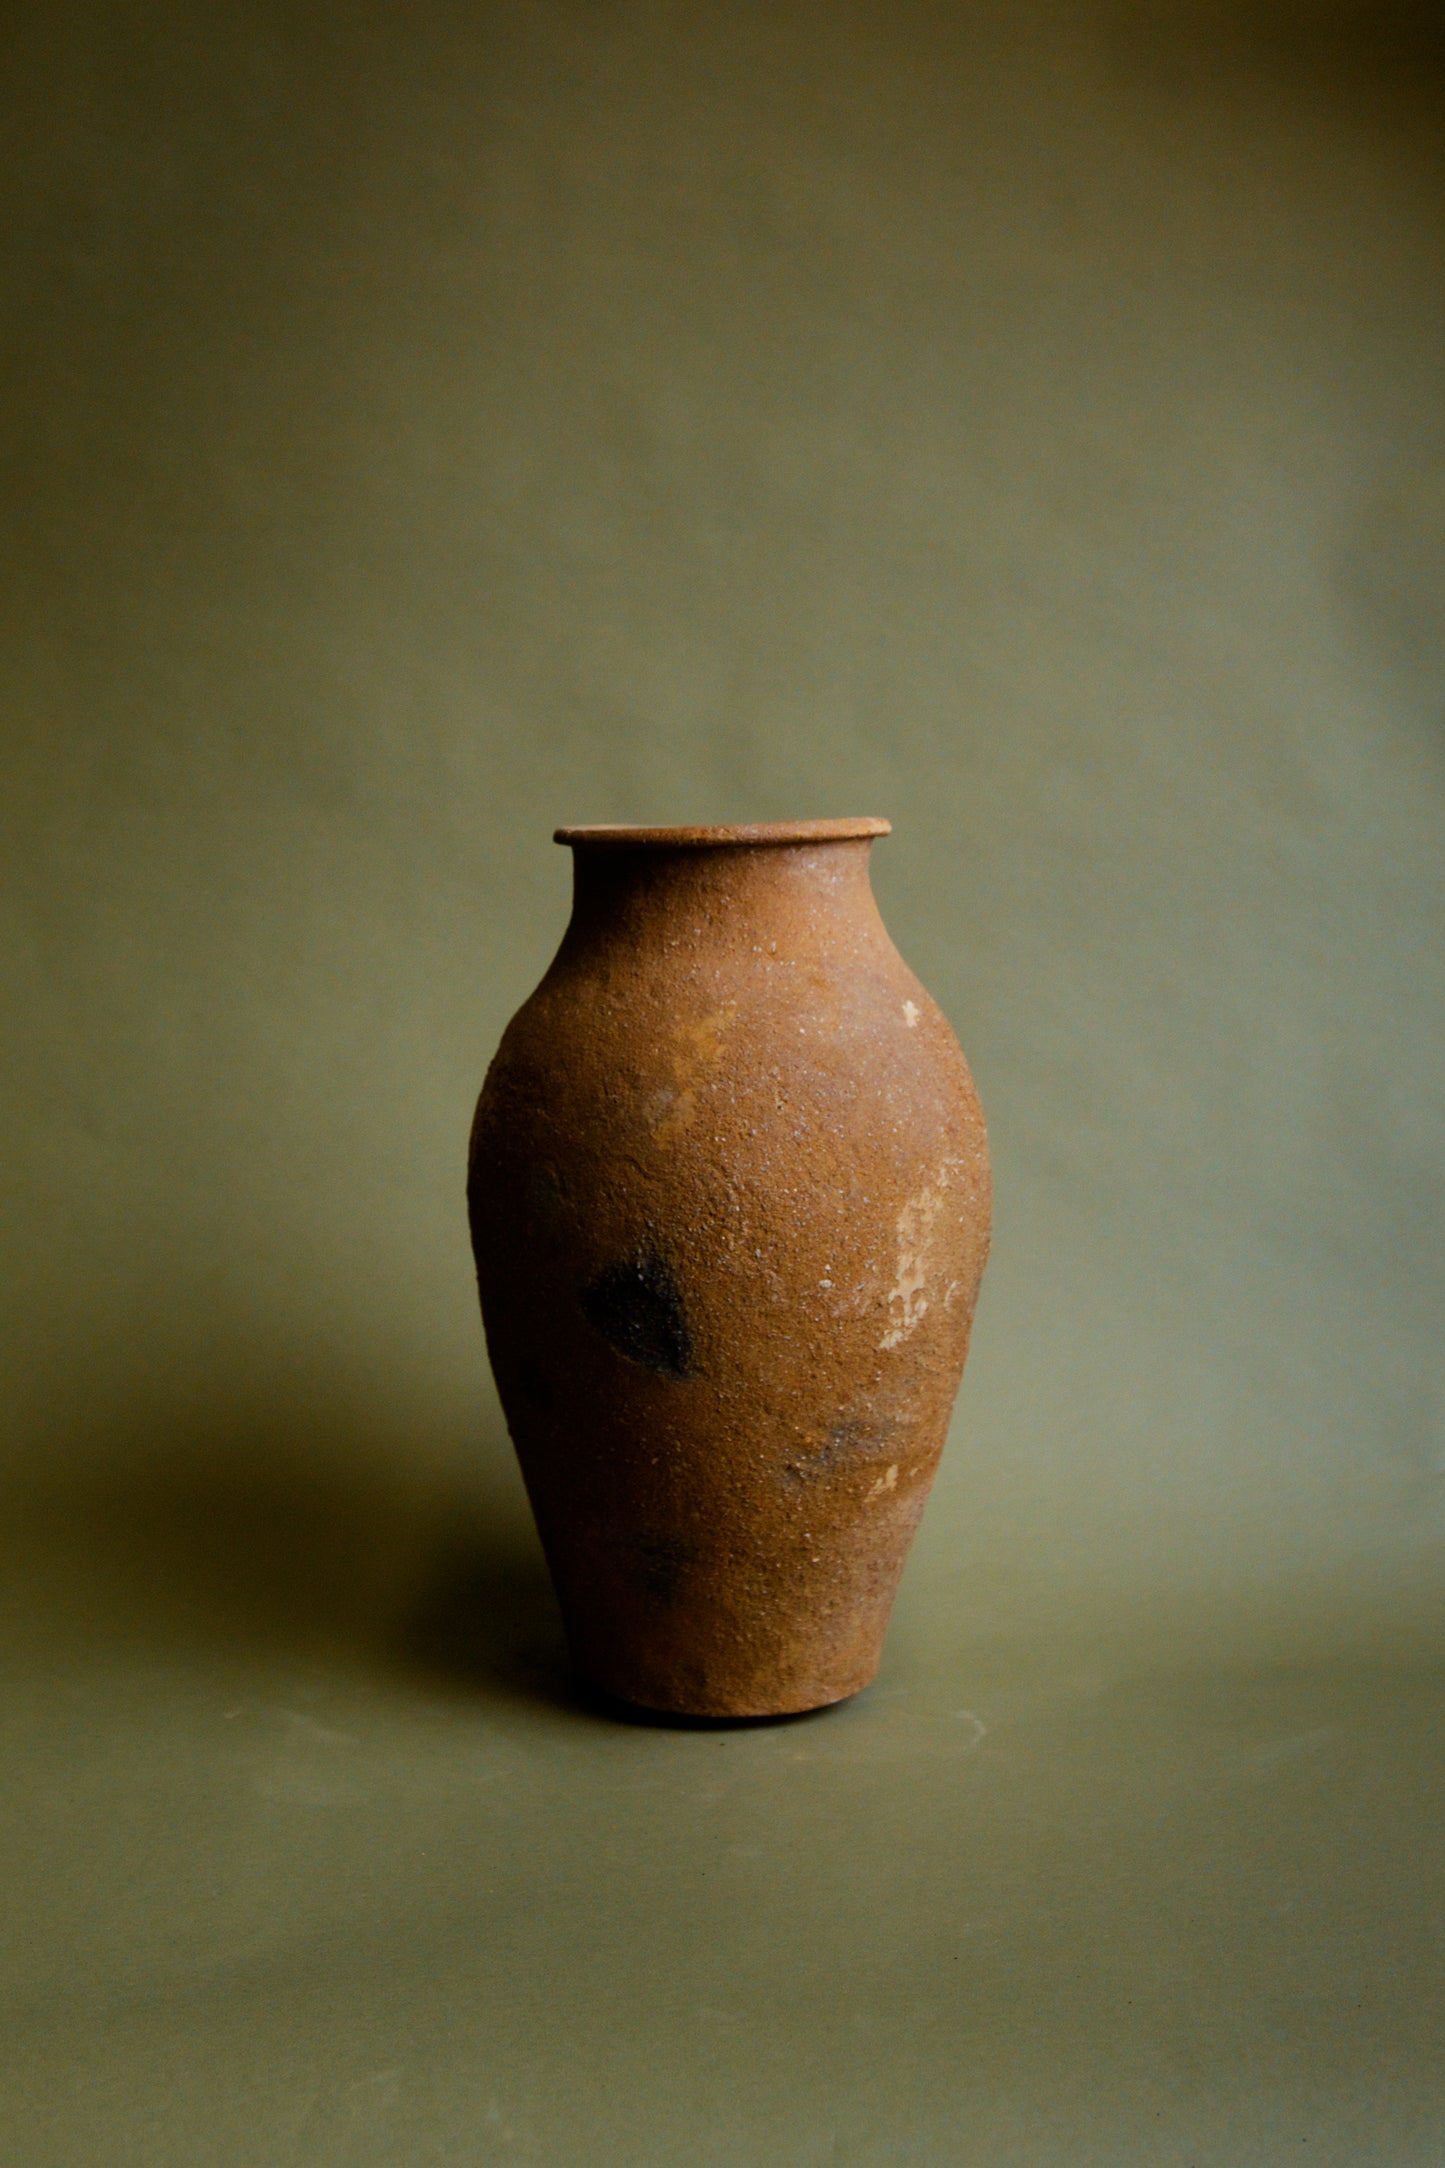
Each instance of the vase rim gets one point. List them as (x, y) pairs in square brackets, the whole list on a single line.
[(738, 834)]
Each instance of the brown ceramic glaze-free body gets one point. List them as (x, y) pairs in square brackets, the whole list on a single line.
[(729, 1195)]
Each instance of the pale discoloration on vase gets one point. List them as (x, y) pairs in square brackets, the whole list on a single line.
[(730, 1204)]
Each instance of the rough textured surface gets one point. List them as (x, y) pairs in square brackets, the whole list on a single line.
[(730, 1203)]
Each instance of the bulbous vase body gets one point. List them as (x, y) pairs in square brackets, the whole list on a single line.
[(729, 1197)]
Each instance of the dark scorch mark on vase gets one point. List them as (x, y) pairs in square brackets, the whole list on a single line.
[(637, 1308)]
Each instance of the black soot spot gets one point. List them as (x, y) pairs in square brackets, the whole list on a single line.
[(846, 1445), (638, 1310), (662, 1564)]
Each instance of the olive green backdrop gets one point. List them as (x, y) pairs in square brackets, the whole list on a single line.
[(426, 424)]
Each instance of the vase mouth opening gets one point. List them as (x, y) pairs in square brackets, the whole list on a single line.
[(739, 835)]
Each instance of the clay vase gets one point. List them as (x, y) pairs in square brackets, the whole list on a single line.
[(729, 1195)]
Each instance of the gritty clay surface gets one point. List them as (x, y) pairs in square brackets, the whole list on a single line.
[(729, 1194)]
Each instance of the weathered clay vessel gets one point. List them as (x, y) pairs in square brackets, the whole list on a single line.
[(729, 1197)]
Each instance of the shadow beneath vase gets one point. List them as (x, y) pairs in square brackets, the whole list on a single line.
[(490, 1616), (288, 1523), (599, 1703)]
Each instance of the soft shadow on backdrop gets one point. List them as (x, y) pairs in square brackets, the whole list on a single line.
[(422, 426)]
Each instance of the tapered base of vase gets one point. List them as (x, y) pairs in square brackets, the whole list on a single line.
[(721, 1631), (689, 1700), (648, 1713)]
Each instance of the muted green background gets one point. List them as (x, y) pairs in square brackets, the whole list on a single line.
[(423, 425)]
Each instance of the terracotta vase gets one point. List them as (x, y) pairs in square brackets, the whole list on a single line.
[(729, 1196)]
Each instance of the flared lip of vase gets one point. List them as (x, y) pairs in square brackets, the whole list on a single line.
[(744, 834)]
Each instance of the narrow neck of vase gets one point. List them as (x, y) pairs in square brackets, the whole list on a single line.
[(727, 886)]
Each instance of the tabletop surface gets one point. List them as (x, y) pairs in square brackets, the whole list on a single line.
[(330, 1863)]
